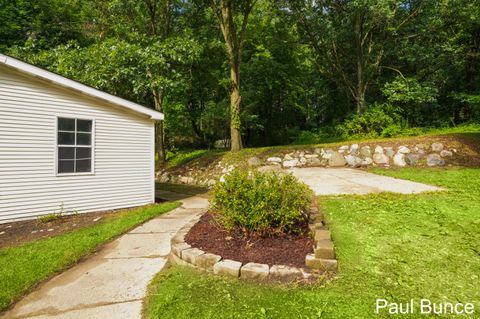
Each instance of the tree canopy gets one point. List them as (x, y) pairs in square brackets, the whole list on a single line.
[(316, 66)]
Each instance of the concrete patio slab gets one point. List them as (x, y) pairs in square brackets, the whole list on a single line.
[(342, 181), (111, 283)]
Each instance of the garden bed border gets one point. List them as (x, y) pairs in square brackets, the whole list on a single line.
[(321, 262)]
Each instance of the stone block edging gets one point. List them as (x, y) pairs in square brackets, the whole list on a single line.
[(320, 262)]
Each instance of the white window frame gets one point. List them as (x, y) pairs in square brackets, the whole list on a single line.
[(92, 146)]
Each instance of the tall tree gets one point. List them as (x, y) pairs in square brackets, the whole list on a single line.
[(232, 16)]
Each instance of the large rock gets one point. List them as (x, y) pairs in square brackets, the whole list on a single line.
[(378, 149), (435, 160), (437, 147), (366, 161), (399, 160), (445, 153), (389, 151), (314, 161), (336, 160), (207, 261), (274, 159), (412, 159), (380, 158), (327, 154), (254, 161), (269, 168), (403, 149), (365, 151), (354, 149), (291, 163), (353, 160)]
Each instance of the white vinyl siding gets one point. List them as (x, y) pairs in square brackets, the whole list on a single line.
[(123, 152)]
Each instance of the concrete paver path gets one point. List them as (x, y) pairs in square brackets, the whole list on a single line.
[(338, 181), (112, 283)]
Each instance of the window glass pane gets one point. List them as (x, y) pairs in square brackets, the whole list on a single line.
[(84, 139), (66, 153), (66, 124), (84, 166), (84, 153), (65, 166), (84, 126), (66, 138)]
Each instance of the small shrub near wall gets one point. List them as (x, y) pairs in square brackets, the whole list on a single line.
[(261, 203)]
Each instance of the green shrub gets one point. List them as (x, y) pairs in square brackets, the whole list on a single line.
[(380, 120), (261, 203)]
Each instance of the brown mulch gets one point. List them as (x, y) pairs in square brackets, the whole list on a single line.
[(287, 250)]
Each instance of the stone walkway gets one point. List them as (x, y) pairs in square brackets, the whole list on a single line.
[(339, 181), (112, 283)]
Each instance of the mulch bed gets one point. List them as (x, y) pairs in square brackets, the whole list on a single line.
[(288, 250)]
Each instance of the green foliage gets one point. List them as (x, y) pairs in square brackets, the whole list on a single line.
[(261, 203), (23, 267), (378, 121), (391, 245)]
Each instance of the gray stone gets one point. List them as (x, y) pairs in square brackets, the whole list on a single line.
[(378, 150), (274, 159), (325, 250), (420, 147), (227, 267), (319, 263), (403, 149), (303, 160), (354, 149), (412, 159), (289, 157), (179, 247), (314, 161), (190, 255), (317, 151), (1, 233), (207, 261), (366, 161), (389, 151), (365, 151), (164, 178), (435, 160), (380, 158), (336, 160), (353, 161), (445, 153), (254, 271), (310, 156), (254, 161), (437, 147), (399, 160), (322, 234), (285, 273), (291, 163)]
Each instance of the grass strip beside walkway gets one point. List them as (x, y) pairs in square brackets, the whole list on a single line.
[(391, 246), (22, 267)]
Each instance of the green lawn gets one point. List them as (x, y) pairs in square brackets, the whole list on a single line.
[(389, 246), (24, 266)]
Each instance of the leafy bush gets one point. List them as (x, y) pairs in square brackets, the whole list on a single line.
[(381, 120), (261, 203)]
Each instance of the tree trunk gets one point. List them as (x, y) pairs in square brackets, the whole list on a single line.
[(159, 128), (235, 99), (360, 88)]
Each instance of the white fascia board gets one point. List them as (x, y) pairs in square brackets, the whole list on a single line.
[(63, 81)]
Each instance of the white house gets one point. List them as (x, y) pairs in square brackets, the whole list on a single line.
[(66, 147)]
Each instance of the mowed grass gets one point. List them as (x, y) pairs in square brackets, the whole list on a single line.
[(24, 266), (397, 247)]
